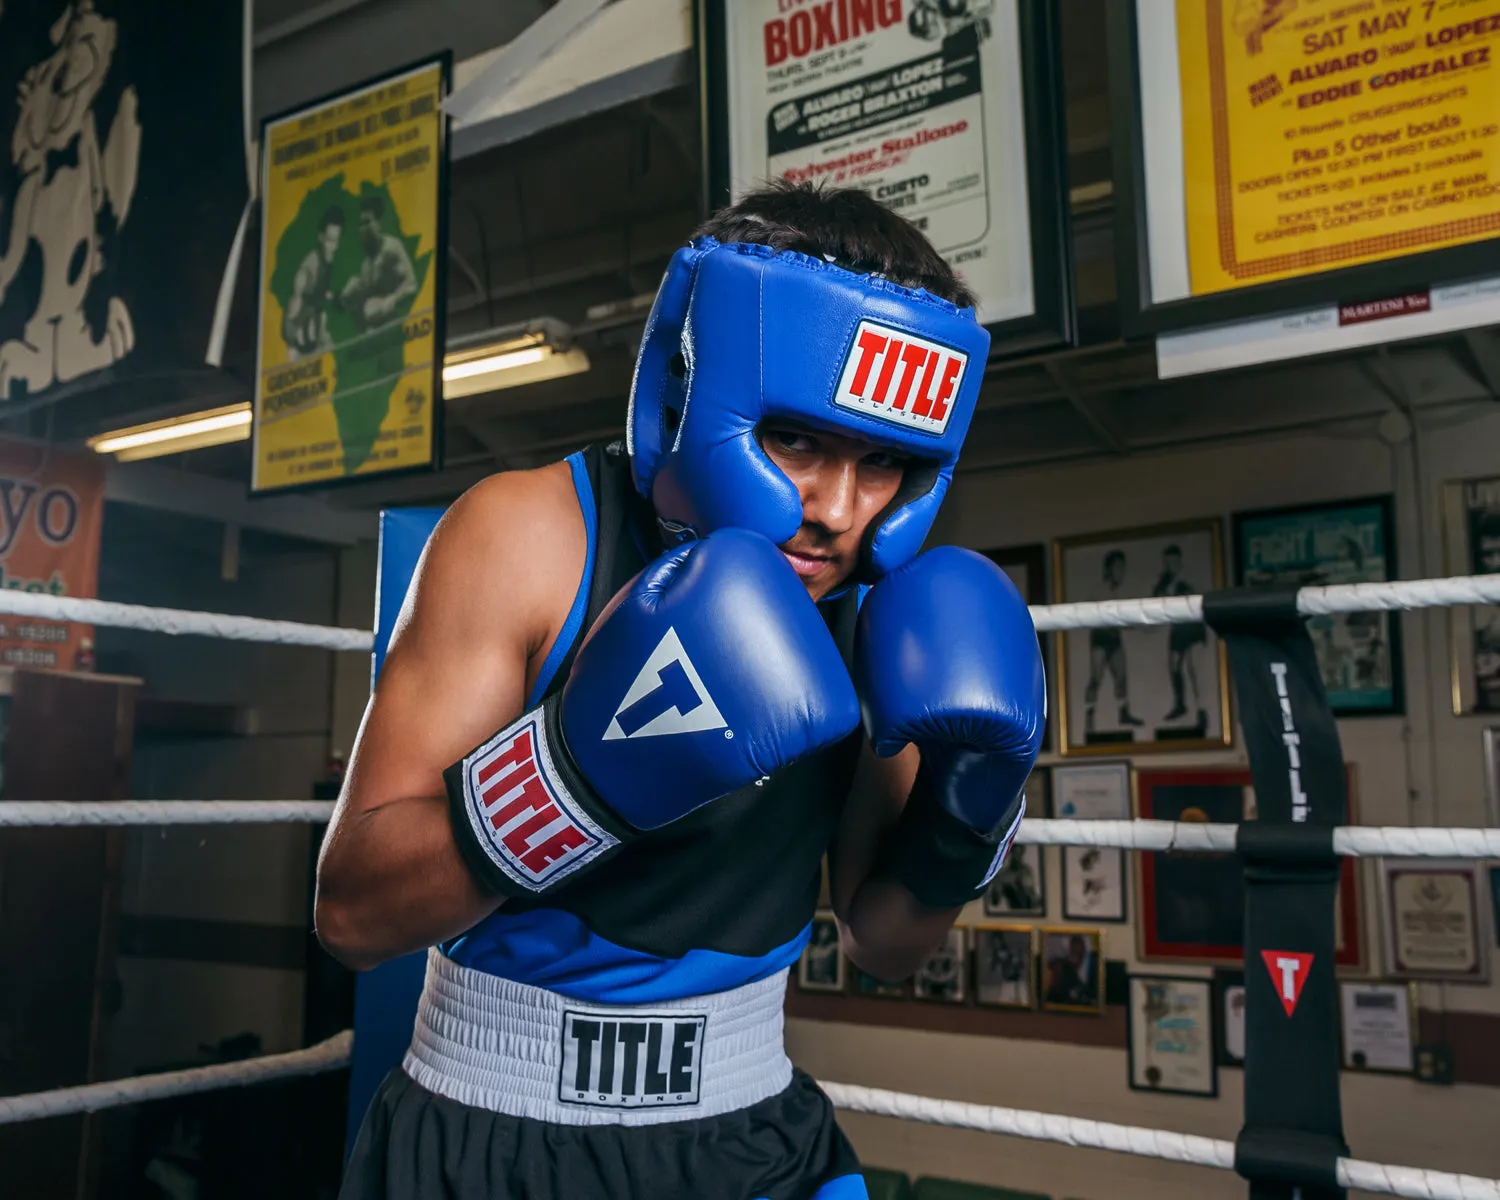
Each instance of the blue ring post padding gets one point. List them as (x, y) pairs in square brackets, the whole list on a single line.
[(385, 999), (569, 631)]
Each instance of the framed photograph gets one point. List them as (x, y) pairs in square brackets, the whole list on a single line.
[(1495, 902), (1491, 742), (1093, 878), (965, 138), (943, 975), (1192, 906), (821, 967), (1027, 568), (1005, 966), (1171, 1038), (866, 984), (1353, 541), (1229, 1006), (1127, 691), (1434, 919), (1072, 970), (1019, 888), (1378, 1023), (1471, 546)]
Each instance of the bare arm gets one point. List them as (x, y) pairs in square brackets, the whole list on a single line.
[(882, 927), (488, 598)]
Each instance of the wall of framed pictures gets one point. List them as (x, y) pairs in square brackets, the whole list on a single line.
[(1413, 719)]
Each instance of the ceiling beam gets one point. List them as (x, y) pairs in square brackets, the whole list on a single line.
[(481, 96), (151, 485)]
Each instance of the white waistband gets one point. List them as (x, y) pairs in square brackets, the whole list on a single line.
[(526, 1052)]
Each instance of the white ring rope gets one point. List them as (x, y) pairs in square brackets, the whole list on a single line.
[(178, 620), (38, 813), (91, 1097), (1311, 602), (1414, 1182), (1353, 841), (336, 1052), (1167, 610)]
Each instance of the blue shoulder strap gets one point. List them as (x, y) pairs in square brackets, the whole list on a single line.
[(569, 632)]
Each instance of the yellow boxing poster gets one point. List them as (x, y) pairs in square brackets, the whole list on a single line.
[(350, 338), (1319, 134)]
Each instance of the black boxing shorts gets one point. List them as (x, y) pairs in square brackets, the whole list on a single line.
[(512, 1092), (415, 1145)]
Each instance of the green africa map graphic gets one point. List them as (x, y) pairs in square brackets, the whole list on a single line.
[(369, 361)]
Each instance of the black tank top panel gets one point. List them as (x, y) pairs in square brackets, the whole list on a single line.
[(740, 875)]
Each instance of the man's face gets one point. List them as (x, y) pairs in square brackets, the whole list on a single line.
[(369, 231), (328, 239), (1171, 563), (844, 483), (1489, 555), (1114, 570), (1076, 951)]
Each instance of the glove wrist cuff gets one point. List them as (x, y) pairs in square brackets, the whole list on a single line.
[(525, 819), (940, 860)]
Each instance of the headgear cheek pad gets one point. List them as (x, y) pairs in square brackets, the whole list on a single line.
[(740, 333)]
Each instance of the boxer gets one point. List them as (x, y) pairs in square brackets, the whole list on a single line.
[(635, 697)]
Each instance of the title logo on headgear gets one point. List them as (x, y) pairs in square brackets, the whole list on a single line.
[(896, 376)]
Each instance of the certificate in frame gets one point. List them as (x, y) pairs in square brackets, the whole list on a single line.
[(1171, 1041), (1378, 1027)]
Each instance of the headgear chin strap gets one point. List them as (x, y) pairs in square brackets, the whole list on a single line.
[(740, 333)]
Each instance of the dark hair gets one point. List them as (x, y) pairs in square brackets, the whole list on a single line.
[(1114, 556), (1174, 548), (373, 205), (332, 215), (845, 225)]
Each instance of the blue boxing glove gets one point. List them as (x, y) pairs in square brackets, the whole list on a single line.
[(946, 657), (709, 670)]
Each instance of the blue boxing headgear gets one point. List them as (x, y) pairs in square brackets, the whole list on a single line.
[(740, 333)]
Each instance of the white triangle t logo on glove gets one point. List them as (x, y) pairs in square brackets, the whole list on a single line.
[(667, 696)]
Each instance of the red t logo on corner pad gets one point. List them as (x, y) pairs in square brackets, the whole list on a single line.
[(1289, 970)]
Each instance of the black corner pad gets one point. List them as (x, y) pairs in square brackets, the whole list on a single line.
[(1251, 609)]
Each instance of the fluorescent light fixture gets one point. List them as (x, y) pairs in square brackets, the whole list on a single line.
[(508, 362), (488, 366), (191, 431), (494, 363)]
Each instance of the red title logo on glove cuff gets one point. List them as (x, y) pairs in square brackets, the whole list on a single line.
[(528, 823)]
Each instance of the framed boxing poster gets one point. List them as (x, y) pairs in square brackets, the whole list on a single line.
[(944, 976), (1005, 966), (1192, 906), (1093, 877), (822, 966), (948, 111), (1471, 546), (352, 284), (1313, 545), (1171, 1036), (1019, 888), (1162, 687), (1299, 176)]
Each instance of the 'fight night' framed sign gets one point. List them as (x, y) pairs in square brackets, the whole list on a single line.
[(1296, 176), (948, 111)]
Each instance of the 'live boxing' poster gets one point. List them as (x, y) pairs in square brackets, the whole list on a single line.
[(918, 102)]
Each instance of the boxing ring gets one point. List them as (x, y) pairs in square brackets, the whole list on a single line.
[(338, 1052)]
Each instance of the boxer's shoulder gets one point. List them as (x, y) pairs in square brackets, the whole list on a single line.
[(508, 554)]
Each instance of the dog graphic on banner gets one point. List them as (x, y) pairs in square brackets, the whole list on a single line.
[(66, 181)]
